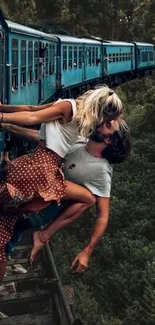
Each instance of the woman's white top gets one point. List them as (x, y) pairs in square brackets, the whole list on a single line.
[(60, 137)]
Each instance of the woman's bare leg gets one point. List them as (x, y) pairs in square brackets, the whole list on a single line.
[(35, 205), (73, 192)]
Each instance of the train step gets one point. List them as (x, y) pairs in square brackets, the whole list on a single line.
[(36, 294), (25, 302), (28, 319), (30, 275)]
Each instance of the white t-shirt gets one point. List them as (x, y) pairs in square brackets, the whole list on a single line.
[(92, 172), (60, 137)]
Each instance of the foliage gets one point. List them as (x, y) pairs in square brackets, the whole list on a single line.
[(116, 19), (119, 287)]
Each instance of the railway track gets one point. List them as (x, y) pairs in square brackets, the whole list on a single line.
[(35, 297)]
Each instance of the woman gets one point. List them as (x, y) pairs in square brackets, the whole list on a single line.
[(33, 181)]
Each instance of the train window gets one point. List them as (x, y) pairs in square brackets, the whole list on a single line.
[(93, 55), (120, 57), (70, 61), (90, 56), (30, 62), (14, 64), (80, 56), (116, 57), (36, 60), (113, 57), (110, 57), (97, 56), (23, 63), (144, 56), (64, 57), (75, 57), (150, 56), (46, 59)]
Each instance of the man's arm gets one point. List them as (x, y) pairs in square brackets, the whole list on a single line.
[(82, 259), (25, 108), (21, 131)]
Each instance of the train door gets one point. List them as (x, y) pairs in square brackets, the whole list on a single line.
[(42, 51), (105, 61), (2, 65), (138, 56), (132, 58), (84, 63)]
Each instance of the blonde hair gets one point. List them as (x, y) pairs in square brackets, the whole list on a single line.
[(97, 106)]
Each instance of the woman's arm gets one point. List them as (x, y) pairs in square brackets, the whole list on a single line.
[(21, 131), (21, 108), (62, 110)]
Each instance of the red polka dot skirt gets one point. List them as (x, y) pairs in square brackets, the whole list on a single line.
[(7, 223), (38, 174)]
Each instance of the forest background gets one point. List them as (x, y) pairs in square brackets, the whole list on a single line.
[(119, 286)]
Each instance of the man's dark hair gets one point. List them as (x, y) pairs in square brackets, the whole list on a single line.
[(120, 148)]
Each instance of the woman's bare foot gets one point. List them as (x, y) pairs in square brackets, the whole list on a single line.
[(37, 246)]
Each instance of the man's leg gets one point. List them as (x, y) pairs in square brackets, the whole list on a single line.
[(70, 214)]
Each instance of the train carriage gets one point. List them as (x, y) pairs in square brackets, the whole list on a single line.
[(70, 67), (144, 56), (80, 60), (31, 65), (119, 58)]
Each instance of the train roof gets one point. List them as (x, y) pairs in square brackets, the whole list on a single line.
[(17, 28), (72, 39), (67, 39), (90, 41), (143, 44), (119, 43)]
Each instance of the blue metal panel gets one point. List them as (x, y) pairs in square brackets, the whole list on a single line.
[(27, 94), (70, 77), (49, 86), (140, 49), (120, 54), (147, 48), (119, 67), (93, 71)]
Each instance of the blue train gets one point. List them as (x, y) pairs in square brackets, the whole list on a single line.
[(36, 67)]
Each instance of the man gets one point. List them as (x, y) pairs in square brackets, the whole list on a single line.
[(88, 164)]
